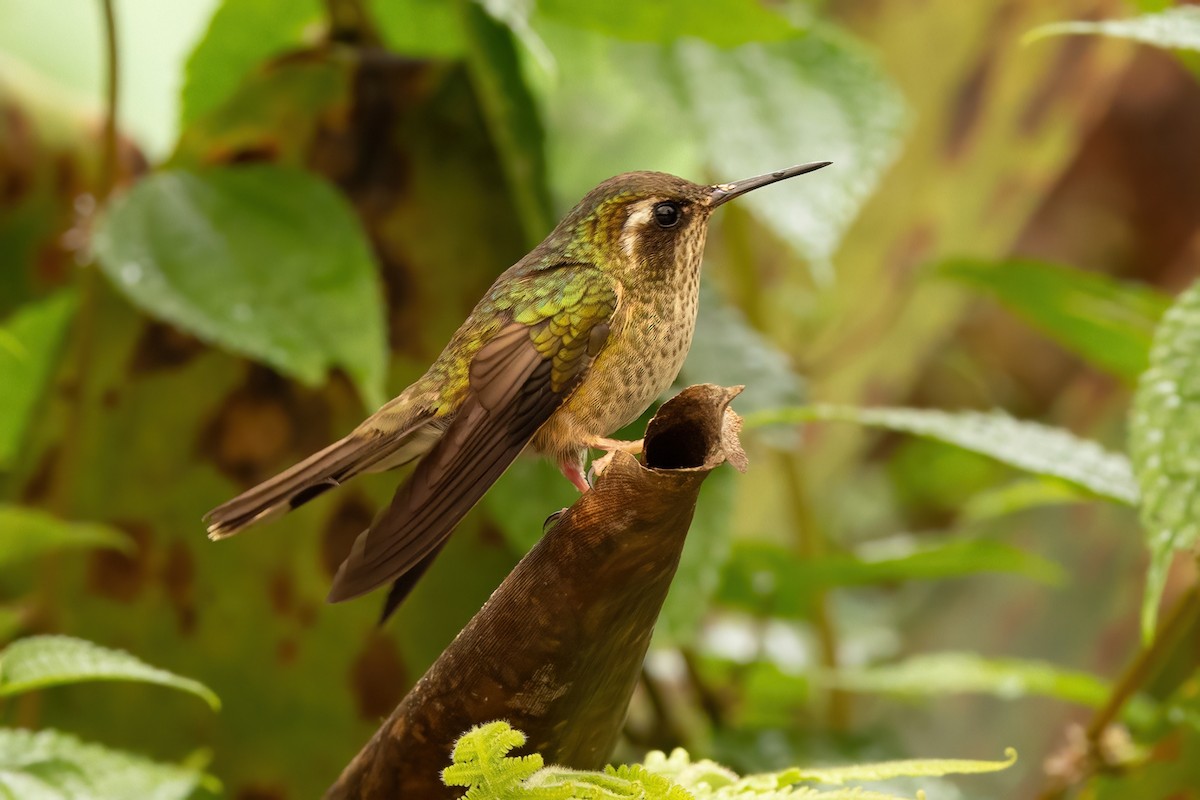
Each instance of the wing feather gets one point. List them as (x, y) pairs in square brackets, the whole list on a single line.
[(363, 450), (518, 379)]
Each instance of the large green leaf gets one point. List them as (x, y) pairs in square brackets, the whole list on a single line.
[(728, 351), (241, 35), (419, 27), (1164, 440), (703, 111), (721, 22), (1029, 446), (267, 261), (821, 97), (36, 662), (49, 765), (1107, 322), (767, 577), (1175, 28), (29, 342), (26, 533)]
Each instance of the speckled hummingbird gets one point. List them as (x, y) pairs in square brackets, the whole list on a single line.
[(570, 344)]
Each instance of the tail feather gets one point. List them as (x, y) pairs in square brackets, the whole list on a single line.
[(367, 448)]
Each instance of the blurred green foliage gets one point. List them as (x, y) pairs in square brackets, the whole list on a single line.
[(309, 199)]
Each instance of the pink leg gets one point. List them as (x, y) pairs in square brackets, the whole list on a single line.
[(572, 471)]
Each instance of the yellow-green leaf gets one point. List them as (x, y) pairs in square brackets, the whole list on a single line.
[(239, 38), (37, 662), (1164, 440), (1029, 446), (915, 767), (1107, 322)]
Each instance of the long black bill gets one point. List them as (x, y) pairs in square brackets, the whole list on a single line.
[(724, 192)]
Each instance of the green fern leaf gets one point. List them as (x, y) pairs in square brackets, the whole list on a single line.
[(482, 763), (909, 768)]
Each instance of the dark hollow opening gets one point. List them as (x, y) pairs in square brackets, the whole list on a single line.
[(683, 445)]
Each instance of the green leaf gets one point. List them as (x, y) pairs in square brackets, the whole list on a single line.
[(821, 97), (26, 533), (280, 112), (29, 343), (722, 22), (1164, 441), (728, 351), (240, 37), (36, 662), (1175, 28), (1029, 446), (767, 577), (1108, 323), (705, 779), (481, 761), (699, 110), (918, 767), (962, 673), (1021, 495), (420, 27), (266, 261), (49, 765), (511, 115)]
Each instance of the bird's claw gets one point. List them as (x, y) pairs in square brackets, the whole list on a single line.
[(598, 466)]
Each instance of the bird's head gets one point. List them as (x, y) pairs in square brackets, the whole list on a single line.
[(651, 224)]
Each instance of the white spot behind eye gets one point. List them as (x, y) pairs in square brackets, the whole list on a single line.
[(639, 215)]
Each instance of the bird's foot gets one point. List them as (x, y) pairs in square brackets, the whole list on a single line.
[(610, 446)]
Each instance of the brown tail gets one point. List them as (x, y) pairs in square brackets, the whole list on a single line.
[(365, 449)]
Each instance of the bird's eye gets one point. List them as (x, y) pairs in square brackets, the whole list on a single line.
[(667, 214)]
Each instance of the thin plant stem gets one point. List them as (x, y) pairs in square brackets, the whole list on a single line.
[(1148, 661), (108, 160), (75, 383), (1181, 617)]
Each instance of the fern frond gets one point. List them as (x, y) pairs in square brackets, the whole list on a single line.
[(483, 764), (909, 768)]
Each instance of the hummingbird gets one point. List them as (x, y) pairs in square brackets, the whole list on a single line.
[(570, 344)]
